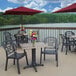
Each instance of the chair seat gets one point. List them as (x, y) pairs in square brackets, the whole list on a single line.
[(49, 51), (50, 47), (17, 56)]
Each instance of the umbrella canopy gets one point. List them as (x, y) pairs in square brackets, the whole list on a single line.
[(22, 11), (70, 8)]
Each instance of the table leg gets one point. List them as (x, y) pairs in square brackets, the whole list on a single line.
[(33, 64)]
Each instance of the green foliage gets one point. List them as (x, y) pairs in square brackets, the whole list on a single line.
[(37, 19), (3, 21)]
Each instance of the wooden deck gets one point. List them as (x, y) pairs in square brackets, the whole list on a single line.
[(67, 65)]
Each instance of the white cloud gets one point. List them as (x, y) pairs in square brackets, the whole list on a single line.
[(55, 9), (5, 9), (39, 4), (36, 3), (65, 3), (44, 10), (28, 2), (53, 1), (1, 10), (19, 1), (31, 5), (14, 1)]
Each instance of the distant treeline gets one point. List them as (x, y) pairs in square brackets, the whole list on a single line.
[(37, 19)]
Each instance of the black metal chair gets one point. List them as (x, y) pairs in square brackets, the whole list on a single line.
[(8, 36), (69, 33), (68, 42), (63, 37), (21, 37), (51, 49), (65, 43), (11, 53)]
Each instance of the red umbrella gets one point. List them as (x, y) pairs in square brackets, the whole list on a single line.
[(70, 8), (22, 11)]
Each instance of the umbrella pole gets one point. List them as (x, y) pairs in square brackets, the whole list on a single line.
[(21, 18)]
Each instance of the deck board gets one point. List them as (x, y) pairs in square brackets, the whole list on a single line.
[(67, 65)]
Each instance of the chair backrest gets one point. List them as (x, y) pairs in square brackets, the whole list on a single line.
[(69, 33), (7, 36), (52, 42), (21, 38), (9, 47)]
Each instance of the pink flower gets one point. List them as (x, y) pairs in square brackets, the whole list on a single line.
[(34, 38)]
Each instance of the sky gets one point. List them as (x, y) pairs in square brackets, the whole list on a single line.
[(44, 5)]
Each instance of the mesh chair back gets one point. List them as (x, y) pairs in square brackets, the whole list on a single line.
[(9, 47), (7, 36), (52, 42), (21, 38), (69, 33)]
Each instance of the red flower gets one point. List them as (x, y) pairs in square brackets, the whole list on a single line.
[(34, 33), (33, 36)]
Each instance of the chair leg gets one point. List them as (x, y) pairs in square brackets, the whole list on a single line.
[(69, 47), (6, 64), (44, 56), (66, 50), (62, 48), (57, 60), (41, 57), (27, 60), (18, 66), (26, 57), (13, 61)]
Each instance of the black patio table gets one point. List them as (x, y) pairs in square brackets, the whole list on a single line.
[(33, 48)]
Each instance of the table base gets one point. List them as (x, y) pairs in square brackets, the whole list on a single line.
[(33, 63), (34, 66)]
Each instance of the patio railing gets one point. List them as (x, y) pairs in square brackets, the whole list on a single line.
[(43, 32)]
